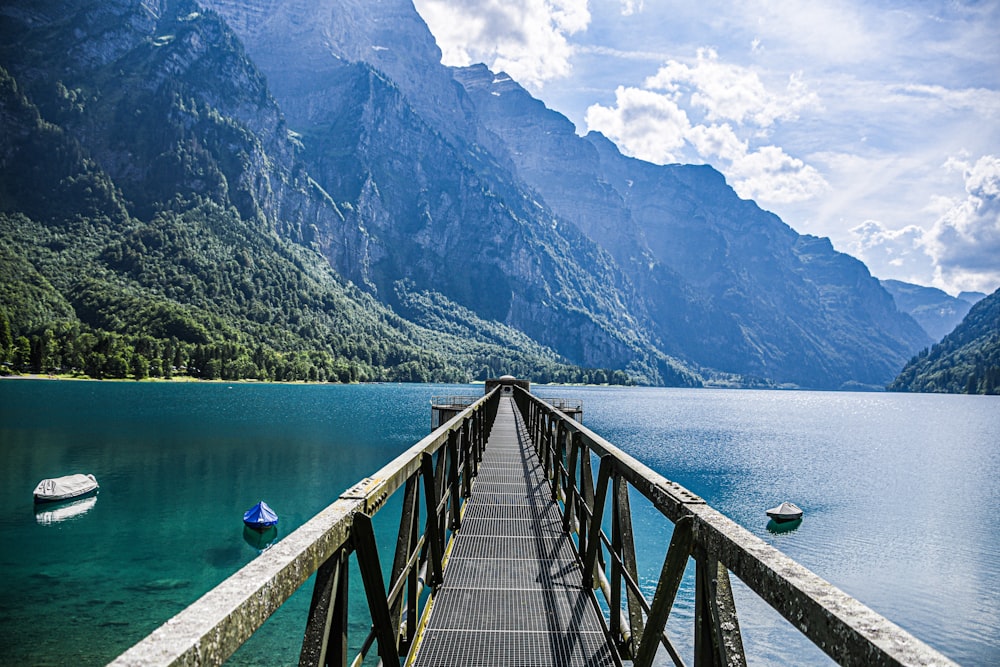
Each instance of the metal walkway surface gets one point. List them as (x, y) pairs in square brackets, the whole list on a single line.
[(512, 592)]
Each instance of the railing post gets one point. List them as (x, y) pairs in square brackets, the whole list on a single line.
[(433, 529), (615, 604), (587, 480), (666, 592), (468, 458), (404, 547), (413, 579), (558, 459), (717, 640), (371, 575), (453, 482), (594, 537), (540, 428), (625, 547), (480, 439), (572, 492), (325, 640), (543, 443), (532, 417), (704, 655)]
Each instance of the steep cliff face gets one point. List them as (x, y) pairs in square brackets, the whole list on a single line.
[(729, 286), (391, 136), (299, 43), (163, 98)]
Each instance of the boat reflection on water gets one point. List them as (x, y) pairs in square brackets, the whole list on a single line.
[(778, 527), (260, 539), (51, 513)]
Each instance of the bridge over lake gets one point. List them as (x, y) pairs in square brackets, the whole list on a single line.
[(515, 547)]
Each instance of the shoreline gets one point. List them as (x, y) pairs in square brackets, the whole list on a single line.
[(183, 379)]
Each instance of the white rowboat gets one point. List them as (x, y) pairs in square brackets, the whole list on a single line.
[(64, 488)]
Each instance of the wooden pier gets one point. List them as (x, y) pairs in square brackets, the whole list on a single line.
[(529, 560), (513, 589)]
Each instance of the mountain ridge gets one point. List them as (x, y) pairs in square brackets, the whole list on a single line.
[(183, 238), (331, 130), (707, 258)]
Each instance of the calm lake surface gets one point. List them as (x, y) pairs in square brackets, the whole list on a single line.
[(900, 494)]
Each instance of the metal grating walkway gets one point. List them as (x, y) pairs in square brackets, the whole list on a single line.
[(512, 592)]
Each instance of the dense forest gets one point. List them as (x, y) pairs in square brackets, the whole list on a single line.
[(168, 277), (966, 361), (172, 298)]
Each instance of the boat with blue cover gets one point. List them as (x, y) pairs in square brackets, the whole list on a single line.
[(260, 516)]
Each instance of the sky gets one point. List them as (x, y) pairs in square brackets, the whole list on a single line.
[(876, 124)]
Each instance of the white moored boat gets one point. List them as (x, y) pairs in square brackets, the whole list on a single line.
[(785, 512), (65, 488)]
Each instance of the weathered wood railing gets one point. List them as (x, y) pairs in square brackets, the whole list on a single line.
[(848, 631), (443, 464)]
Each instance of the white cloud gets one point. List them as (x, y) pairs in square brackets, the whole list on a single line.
[(717, 141), (644, 124), (965, 241), (731, 92), (891, 252), (656, 126), (525, 38), (630, 7), (770, 175), (963, 244)]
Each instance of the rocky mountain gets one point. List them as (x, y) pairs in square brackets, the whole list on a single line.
[(156, 212), (935, 310), (305, 177), (966, 361), (728, 285)]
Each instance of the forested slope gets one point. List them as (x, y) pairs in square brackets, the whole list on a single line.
[(147, 232), (967, 361)]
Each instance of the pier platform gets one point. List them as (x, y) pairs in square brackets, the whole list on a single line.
[(513, 589)]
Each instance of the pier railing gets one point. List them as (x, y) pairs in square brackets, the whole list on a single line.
[(848, 631), (439, 468)]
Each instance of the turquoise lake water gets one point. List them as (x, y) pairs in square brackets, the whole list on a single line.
[(900, 494)]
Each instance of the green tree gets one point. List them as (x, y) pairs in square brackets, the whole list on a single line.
[(140, 367), (22, 353), (116, 366), (6, 338)]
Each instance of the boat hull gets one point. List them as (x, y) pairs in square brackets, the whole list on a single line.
[(260, 526)]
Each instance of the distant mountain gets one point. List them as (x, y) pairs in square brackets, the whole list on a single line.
[(289, 188), (971, 297), (933, 309), (967, 361)]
